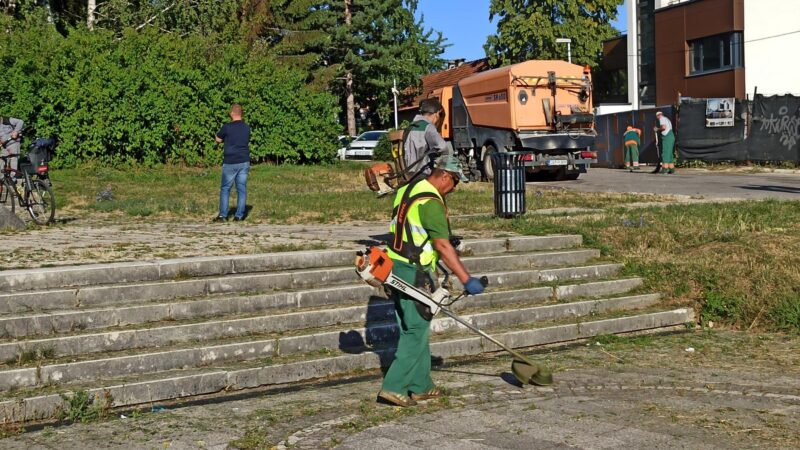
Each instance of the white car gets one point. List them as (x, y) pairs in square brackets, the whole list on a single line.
[(362, 146)]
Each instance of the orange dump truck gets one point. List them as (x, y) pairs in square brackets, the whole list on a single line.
[(543, 108)]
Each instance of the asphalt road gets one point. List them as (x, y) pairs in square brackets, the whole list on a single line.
[(689, 182)]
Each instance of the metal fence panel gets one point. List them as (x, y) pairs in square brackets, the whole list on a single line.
[(611, 127)]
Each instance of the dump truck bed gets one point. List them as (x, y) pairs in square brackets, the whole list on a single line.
[(530, 96)]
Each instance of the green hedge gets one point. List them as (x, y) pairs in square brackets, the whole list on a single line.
[(151, 98)]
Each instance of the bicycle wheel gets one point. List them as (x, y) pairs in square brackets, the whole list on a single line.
[(8, 195), (41, 202)]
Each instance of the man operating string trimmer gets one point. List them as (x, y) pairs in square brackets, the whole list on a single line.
[(420, 237), (407, 270)]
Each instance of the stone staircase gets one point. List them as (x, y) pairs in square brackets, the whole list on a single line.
[(145, 332)]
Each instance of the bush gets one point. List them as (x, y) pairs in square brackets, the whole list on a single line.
[(383, 150), (153, 98)]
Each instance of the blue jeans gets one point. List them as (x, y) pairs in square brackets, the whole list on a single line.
[(234, 173)]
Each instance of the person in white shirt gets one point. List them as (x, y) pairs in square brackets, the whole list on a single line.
[(667, 144)]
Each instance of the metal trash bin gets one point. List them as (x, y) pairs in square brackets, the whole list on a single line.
[(509, 184)]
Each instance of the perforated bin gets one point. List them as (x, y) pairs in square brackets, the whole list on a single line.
[(509, 184)]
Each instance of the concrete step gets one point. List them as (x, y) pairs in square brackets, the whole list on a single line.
[(168, 386), (168, 333), (89, 319), (172, 269), (263, 344), (119, 294)]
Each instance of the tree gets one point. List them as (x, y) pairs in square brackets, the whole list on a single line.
[(355, 48), (528, 29), (91, 6)]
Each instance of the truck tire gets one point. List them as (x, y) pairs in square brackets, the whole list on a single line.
[(487, 166), (563, 175)]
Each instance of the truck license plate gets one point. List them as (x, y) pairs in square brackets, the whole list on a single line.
[(557, 162)]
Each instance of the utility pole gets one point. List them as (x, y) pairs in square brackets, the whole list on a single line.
[(394, 94), (348, 87)]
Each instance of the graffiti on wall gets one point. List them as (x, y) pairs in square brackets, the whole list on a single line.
[(785, 125)]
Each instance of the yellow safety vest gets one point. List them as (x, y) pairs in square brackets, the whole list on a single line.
[(406, 210)]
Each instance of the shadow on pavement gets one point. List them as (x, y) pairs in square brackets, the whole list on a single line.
[(772, 188), (247, 210), (378, 331), (377, 239)]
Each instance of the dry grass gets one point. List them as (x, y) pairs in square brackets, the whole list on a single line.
[(736, 263)]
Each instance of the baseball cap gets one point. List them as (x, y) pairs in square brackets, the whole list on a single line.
[(452, 164)]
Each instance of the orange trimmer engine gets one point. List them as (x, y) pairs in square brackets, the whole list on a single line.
[(374, 266)]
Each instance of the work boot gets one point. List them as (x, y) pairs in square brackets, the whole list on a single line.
[(397, 399), (219, 219)]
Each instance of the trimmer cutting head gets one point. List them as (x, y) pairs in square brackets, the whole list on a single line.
[(529, 373)]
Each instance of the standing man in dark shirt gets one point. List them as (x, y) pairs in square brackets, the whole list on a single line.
[(235, 163)]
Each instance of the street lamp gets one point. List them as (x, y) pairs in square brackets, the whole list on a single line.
[(395, 92), (567, 41)]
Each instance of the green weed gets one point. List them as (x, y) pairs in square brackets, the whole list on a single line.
[(254, 438), (785, 315), (84, 407), (719, 307), (32, 355)]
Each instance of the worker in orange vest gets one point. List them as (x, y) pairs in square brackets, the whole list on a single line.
[(632, 141)]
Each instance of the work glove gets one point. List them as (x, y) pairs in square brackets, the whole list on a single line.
[(473, 286)]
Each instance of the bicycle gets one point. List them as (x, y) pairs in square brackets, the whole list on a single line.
[(36, 193)]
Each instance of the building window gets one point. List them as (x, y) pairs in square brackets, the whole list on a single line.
[(715, 53)]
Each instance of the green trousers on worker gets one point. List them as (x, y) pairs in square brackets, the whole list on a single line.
[(668, 148), (631, 155), (411, 369)]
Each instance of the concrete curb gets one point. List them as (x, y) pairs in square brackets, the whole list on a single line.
[(47, 406)]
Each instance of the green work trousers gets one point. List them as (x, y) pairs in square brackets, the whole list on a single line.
[(668, 148), (631, 154), (411, 368)]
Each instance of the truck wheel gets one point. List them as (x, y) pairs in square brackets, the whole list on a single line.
[(488, 167), (563, 175)]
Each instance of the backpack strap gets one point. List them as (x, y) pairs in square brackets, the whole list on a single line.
[(419, 125), (409, 250)]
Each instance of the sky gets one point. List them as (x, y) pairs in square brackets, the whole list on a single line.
[(465, 24)]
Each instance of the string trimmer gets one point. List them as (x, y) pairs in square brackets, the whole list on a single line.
[(658, 151), (375, 267)]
